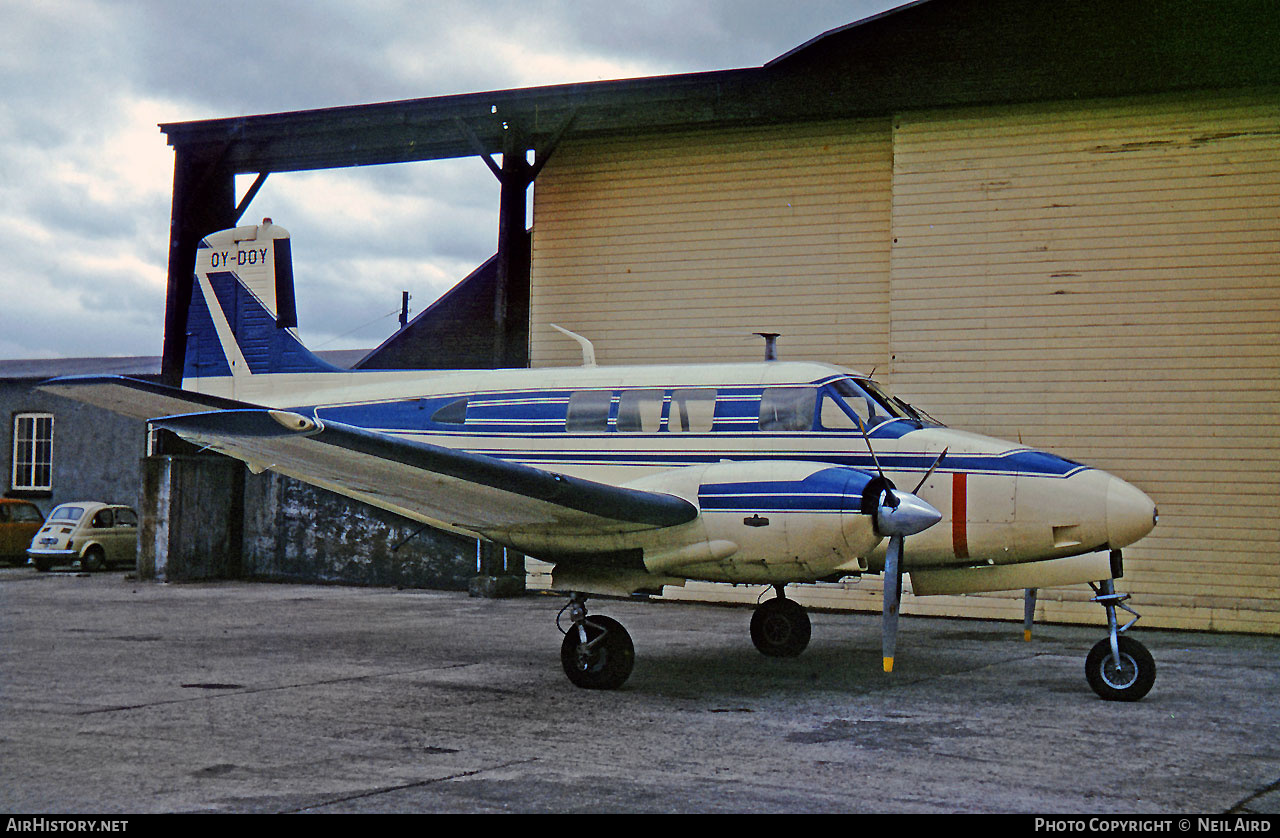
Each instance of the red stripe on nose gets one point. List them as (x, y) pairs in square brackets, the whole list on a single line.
[(960, 515)]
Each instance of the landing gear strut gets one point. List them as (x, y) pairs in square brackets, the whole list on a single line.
[(1118, 667), (780, 628), (597, 653)]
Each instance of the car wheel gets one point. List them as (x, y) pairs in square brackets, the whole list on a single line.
[(93, 560)]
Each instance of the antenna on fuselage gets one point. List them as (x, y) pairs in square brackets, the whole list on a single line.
[(588, 350), (770, 345)]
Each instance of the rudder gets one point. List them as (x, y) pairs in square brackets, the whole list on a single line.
[(242, 316)]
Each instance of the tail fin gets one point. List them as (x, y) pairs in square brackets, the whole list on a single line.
[(242, 316)]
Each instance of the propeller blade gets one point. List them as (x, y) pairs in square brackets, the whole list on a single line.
[(929, 473), (892, 599), (867, 439), (908, 516), (897, 515)]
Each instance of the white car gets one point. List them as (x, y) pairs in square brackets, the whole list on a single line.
[(92, 533)]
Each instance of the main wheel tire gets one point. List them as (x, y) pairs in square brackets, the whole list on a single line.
[(780, 628), (93, 560), (1129, 681), (605, 661), (43, 565)]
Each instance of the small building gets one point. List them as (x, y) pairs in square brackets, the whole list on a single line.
[(59, 450)]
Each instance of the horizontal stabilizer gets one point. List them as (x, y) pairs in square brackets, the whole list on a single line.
[(134, 397)]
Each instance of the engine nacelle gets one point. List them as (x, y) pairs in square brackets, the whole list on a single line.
[(763, 522)]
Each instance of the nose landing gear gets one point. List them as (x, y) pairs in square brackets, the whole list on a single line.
[(1118, 667)]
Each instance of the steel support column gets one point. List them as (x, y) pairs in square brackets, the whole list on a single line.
[(204, 202), (511, 291)]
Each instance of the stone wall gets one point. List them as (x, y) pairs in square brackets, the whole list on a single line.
[(297, 532)]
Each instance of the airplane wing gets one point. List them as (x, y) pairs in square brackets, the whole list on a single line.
[(134, 397), (454, 489)]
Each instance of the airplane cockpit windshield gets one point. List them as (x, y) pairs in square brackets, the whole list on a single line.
[(848, 403)]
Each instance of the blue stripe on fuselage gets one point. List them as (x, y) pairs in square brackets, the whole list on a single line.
[(1022, 462), (513, 425), (827, 490), (537, 412)]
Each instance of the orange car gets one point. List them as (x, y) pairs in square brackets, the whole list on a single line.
[(19, 521)]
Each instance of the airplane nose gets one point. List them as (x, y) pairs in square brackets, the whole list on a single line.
[(1130, 513)]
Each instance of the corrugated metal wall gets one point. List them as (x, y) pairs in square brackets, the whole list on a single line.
[(1103, 280), (678, 247), (1099, 279)]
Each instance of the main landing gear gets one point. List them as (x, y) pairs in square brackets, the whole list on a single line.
[(597, 653), (1118, 667), (780, 627)]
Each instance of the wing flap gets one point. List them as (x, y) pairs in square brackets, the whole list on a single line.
[(451, 488)]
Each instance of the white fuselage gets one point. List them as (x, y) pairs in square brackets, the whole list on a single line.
[(767, 429)]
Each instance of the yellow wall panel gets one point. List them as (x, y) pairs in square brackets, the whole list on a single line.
[(1103, 280), (1099, 279), (677, 248)]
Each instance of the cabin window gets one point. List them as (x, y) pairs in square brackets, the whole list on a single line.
[(692, 411), (837, 413), (640, 411), (454, 413), (873, 405), (788, 408), (588, 411)]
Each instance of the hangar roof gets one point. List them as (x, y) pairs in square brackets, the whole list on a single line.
[(931, 53), (137, 366), (42, 368)]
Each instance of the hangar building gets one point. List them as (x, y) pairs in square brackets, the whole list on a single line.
[(1056, 223)]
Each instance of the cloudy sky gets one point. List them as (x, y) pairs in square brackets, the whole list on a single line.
[(86, 175)]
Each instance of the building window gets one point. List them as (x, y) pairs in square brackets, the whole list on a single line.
[(32, 452)]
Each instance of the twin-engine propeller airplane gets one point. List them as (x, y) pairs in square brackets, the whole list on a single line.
[(630, 478)]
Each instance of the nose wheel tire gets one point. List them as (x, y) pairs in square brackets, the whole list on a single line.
[(1128, 679), (603, 659), (780, 628)]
